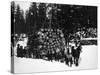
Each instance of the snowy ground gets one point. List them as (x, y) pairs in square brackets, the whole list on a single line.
[(88, 61)]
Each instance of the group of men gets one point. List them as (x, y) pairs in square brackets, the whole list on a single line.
[(73, 55), (64, 53), (70, 57)]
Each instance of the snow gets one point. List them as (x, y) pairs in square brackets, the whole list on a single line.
[(28, 65)]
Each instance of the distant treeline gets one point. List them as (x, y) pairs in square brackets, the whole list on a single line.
[(42, 15)]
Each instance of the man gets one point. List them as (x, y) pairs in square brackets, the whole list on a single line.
[(69, 57), (18, 50), (77, 55), (73, 54)]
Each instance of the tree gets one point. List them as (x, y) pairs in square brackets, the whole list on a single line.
[(19, 21), (31, 18)]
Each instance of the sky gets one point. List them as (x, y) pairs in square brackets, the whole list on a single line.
[(24, 5)]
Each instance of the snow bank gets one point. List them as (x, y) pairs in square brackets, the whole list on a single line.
[(28, 65)]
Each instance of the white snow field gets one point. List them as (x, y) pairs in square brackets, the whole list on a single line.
[(27, 65)]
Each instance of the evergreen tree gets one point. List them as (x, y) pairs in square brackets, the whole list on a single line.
[(31, 18), (19, 21)]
